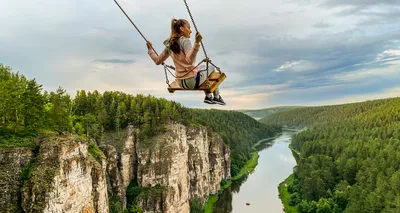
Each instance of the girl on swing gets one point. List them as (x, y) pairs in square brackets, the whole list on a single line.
[(179, 47)]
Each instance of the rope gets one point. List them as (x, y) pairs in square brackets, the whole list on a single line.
[(195, 27), (201, 42), (166, 76), (133, 23), (165, 65), (215, 67)]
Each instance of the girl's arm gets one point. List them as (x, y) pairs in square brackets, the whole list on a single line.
[(158, 59), (190, 52)]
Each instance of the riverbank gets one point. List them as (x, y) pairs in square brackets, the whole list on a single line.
[(284, 195), (250, 166), (296, 154), (259, 145)]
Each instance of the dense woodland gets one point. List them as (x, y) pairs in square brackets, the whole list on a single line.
[(262, 113), (27, 111), (350, 157)]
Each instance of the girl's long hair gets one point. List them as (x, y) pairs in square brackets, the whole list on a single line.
[(176, 34)]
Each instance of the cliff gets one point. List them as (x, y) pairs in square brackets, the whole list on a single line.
[(121, 166), (187, 161), (12, 164), (66, 178), (67, 174)]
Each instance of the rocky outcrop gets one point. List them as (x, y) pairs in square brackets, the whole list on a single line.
[(114, 178), (12, 163), (188, 161), (69, 175), (128, 158), (66, 178), (121, 167)]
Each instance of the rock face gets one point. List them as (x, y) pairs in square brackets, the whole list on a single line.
[(68, 175), (121, 167), (12, 163), (188, 161), (128, 158), (114, 179), (66, 179)]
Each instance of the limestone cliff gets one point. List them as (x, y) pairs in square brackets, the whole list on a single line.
[(12, 163), (121, 166), (66, 178), (188, 161), (67, 174)]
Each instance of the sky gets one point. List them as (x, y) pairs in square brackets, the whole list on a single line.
[(274, 53)]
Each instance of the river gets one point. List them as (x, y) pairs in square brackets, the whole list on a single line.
[(260, 188)]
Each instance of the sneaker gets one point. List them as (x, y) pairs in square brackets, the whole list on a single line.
[(208, 100), (219, 101)]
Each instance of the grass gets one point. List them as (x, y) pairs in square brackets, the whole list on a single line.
[(284, 195), (95, 152), (209, 206), (250, 165), (295, 153), (11, 139)]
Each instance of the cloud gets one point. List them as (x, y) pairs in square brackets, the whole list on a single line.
[(359, 3), (387, 93), (385, 70), (278, 48), (288, 65), (297, 66), (322, 25), (388, 54), (115, 61), (286, 159)]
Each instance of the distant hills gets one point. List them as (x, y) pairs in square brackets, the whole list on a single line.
[(262, 113), (309, 116)]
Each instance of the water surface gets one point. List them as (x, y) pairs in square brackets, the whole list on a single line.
[(260, 188)]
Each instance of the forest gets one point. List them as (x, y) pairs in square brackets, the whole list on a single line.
[(27, 111), (349, 157), (262, 113)]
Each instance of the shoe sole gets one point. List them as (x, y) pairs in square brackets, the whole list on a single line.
[(208, 102), (219, 103)]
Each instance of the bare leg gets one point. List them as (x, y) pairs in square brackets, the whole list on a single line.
[(216, 92)]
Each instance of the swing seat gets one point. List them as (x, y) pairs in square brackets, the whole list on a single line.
[(209, 85)]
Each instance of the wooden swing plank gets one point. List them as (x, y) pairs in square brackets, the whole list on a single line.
[(215, 79)]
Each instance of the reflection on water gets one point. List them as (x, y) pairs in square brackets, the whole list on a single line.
[(264, 146), (260, 189), (224, 203)]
